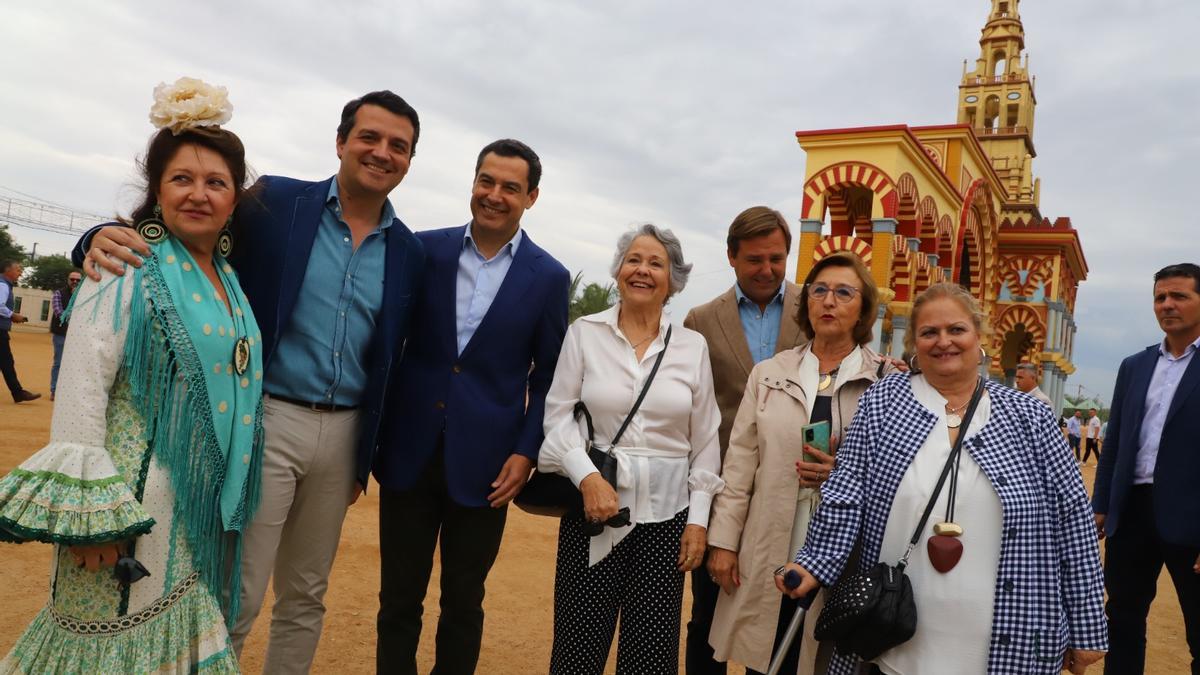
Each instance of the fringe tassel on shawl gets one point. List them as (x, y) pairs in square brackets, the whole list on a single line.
[(167, 383)]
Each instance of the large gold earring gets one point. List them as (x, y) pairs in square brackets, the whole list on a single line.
[(983, 357), (225, 240), (152, 229)]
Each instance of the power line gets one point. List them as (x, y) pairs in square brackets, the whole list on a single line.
[(28, 211)]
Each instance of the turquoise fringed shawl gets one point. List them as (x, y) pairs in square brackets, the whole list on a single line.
[(203, 418)]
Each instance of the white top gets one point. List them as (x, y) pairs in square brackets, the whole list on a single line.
[(1093, 427), (669, 458), (1168, 371), (955, 609)]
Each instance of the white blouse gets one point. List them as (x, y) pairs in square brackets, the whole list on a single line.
[(669, 457), (954, 609)]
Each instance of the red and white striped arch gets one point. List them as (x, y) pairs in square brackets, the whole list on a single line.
[(842, 174), (855, 245), (1020, 314)]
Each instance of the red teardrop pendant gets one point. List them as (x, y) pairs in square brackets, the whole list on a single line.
[(944, 552)]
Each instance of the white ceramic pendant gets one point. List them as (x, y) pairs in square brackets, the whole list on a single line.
[(953, 420)]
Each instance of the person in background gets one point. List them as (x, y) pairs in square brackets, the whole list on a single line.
[(1026, 381), (10, 271), (756, 319), (1074, 431), (1145, 499), (1093, 430), (58, 327)]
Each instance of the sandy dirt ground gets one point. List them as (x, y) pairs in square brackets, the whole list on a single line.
[(519, 602)]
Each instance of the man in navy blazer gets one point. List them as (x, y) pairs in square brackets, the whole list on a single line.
[(330, 273), (464, 420), (1147, 492)]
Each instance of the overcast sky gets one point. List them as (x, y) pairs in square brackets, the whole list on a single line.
[(679, 113)]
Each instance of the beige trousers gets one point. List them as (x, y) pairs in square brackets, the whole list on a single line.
[(308, 473)]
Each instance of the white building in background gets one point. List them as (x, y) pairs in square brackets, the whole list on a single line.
[(35, 304)]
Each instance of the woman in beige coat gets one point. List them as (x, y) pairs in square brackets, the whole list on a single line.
[(759, 520)]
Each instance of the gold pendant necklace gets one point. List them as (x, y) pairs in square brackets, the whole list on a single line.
[(826, 379)]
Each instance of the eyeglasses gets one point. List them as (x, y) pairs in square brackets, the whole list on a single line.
[(841, 294)]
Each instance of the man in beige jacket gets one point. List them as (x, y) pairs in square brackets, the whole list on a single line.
[(749, 323)]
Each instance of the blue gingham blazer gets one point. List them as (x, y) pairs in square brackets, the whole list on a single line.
[(1049, 586)]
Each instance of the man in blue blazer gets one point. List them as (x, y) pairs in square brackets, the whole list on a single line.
[(330, 272), (1147, 493), (464, 421)]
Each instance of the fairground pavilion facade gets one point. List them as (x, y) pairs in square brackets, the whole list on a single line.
[(955, 202)]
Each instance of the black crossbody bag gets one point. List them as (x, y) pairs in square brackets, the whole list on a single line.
[(870, 612), (552, 494)]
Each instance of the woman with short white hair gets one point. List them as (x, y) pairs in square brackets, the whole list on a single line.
[(625, 557)]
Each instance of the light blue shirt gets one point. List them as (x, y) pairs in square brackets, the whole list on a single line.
[(479, 280), (323, 351), (1073, 428), (761, 327), (5, 312), (1167, 374)]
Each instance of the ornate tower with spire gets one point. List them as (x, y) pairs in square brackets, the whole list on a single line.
[(997, 101)]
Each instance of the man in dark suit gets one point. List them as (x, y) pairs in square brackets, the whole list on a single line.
[(464, 418), (754, 320), (1146, 498), (329, 271)]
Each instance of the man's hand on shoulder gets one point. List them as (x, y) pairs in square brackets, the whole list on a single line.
[(112, 247), (512, 478)]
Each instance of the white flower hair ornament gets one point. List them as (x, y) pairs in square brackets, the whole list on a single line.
[(189, 103)]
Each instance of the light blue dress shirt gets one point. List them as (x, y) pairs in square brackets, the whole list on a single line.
[(479, 280), (1073, 426), (323, 351), (761, 327), (1167, 374)]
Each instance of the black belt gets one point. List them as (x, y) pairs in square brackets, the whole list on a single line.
[(317, 407)]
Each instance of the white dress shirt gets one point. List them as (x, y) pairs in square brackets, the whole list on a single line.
[(955, 608), (669, 457), (1167, 374)]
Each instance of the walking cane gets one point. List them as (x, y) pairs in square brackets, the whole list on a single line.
[(790, 580)]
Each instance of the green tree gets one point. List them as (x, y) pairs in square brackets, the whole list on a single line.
[(9, 249), (49, 272), (589, 299)]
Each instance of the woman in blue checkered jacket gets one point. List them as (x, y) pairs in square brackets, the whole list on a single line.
[(1013, 583)]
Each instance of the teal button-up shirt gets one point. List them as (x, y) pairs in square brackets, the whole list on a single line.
[(322, 352)]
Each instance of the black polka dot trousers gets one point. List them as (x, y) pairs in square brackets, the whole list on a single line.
[(638, 583)]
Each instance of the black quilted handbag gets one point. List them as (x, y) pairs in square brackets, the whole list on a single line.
[(870, 612)]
